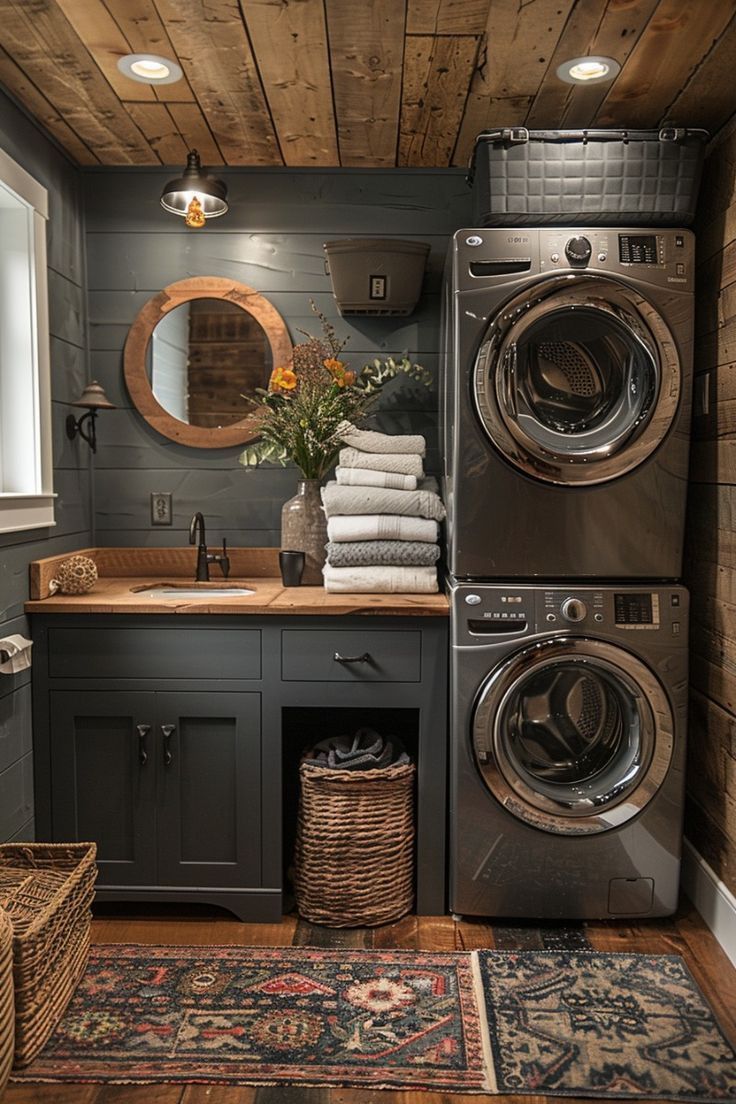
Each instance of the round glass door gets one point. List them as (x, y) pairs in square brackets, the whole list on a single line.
[(578, 380), (573, 736)]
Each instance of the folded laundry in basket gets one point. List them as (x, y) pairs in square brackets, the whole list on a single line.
[(363, 527), (370, 440), (380, 580), (366, 749), (365, 477), (381, 500), (408, 463), (388, 552)]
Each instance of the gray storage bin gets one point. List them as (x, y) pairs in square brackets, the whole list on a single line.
[(376, 275), (595, 177)]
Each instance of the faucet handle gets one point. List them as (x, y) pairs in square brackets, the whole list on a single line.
[(224, 559)]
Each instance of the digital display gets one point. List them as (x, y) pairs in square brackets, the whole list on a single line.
[(637, 248), (633, 609)]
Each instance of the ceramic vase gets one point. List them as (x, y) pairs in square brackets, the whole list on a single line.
[(304, 528)]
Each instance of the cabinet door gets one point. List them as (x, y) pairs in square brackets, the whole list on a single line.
[(208, 747), (103, 779)]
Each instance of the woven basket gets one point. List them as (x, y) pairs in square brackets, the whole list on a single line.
[(7, 1021), (46, 890), (354, 856)]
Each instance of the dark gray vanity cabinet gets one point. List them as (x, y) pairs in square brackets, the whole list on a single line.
[(167, 784), (173, 741)]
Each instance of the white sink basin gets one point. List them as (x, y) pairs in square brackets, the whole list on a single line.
[(164, 590)]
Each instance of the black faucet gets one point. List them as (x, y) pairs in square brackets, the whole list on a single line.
[(205, 558)]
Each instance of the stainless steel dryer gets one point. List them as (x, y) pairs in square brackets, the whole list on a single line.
[(566, 405), (568, 749)]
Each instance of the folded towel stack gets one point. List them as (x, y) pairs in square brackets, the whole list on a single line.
[(382, 516)]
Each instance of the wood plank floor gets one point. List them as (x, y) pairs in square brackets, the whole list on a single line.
[(684, 934)]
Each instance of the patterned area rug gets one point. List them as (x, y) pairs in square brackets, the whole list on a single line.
[(603, 1024), (556, 1022), (393, 1019)]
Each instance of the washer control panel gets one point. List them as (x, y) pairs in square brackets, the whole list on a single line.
[(486, 612)]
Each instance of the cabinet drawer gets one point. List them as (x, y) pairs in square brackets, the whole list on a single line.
[(178, 653), (309, 655)]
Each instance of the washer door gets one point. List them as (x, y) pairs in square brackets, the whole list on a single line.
[(578, 380), (573, 736)]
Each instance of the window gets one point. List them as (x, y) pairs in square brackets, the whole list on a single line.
[(26, 473)]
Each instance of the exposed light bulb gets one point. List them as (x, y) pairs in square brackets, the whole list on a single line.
[(195, 215)]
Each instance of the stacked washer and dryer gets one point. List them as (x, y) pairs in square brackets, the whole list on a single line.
[(566, 415)]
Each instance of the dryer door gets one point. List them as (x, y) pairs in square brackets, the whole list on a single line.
[(573, 736), (578, 380)]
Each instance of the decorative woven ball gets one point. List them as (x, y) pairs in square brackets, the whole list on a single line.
[(77, 575)]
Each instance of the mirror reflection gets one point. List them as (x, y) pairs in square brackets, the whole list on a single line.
[(203, 356)]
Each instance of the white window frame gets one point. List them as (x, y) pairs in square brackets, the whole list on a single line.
[(34, 510)]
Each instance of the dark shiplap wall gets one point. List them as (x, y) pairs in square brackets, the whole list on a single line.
[(271, 239), (31, 149)]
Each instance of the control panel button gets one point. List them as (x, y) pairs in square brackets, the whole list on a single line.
[(680, 269), (555, 258), (598, 617), (473, 240), (473, 599), (675, 628), (602, 256), (574, 610), (551, 617), (675, 599), (578, 250)]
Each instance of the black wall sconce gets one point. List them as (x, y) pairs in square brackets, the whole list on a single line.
[(195, 195), (93, 398)]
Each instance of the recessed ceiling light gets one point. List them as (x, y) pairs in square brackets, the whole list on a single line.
[(588, 70), (150, 69)]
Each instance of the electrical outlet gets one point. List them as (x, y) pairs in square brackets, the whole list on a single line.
[(160, 508), (377, 287)]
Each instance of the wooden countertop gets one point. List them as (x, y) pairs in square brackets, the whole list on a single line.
[(124, 572)]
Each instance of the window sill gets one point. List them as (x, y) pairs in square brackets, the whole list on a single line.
[(19, 512)]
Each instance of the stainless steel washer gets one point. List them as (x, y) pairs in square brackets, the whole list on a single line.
[(568, 744), (566, 402)]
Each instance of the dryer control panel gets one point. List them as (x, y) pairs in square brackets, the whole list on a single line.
[(487, 612)]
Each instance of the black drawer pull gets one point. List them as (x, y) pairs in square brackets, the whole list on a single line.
[(168, 731), (364, 658), (142, 730)]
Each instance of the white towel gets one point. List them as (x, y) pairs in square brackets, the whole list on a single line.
[(380, 580), (404, 463), (380, 500), (364, 477), (356, 527), (370, 440)]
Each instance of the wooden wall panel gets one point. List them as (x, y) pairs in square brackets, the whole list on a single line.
[(711, 534), (69, 368)]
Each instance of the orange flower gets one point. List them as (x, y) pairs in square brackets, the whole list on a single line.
[(282, 379), (342, 376)]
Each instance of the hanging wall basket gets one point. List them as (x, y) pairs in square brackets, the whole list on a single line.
[(378, 276)]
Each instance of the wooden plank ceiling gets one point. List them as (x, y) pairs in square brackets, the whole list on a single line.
[(364, 83)]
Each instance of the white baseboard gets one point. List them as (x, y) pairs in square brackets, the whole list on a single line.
[(711, 897)]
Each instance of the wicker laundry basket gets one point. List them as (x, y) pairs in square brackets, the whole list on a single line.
[(7, 1019), (46, 889), (354, 856)]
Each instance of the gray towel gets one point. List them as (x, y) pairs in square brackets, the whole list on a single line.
[(406, 463), (366, 527), (395, 553), (365, 750), (381, 500), (380, 580), (370, 440), (365, 477)]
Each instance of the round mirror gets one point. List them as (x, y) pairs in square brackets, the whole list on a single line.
[(196, 352)]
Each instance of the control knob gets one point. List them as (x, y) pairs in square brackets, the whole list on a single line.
[(573, 609), (578, 250)]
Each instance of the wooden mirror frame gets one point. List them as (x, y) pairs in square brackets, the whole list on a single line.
[(140, 333)]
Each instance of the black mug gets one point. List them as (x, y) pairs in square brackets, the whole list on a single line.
[(292, 567)]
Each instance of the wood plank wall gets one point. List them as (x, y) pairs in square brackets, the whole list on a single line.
[(271, 239), (711, 547), (21, 139)]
